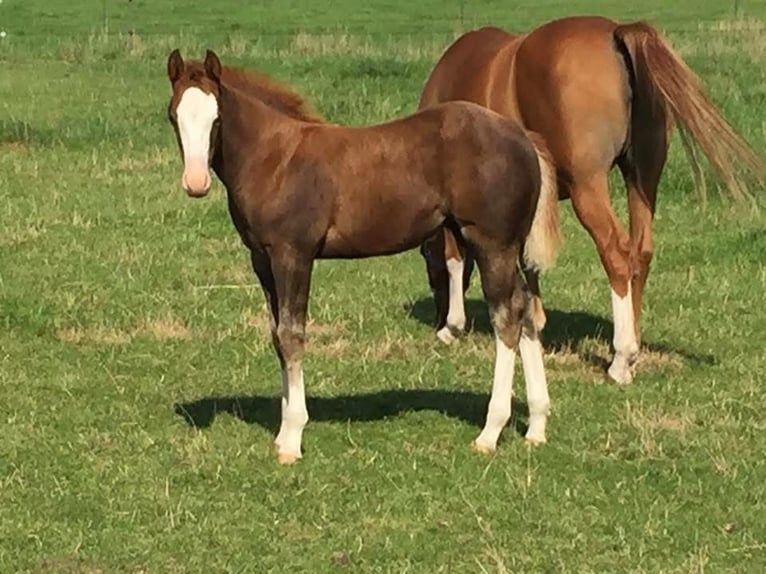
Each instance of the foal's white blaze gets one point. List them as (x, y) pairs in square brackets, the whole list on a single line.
[(196, 113), (537, 387), (625, 343), (456, 314), (499, 410)]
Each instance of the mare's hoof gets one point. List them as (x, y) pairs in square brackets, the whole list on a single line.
[(445, 336), (620, 375), (534, 440), (450, 333), (287, 458), (483, 448)]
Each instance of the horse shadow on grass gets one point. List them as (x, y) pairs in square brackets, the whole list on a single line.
[(564, 331), (466, 406)]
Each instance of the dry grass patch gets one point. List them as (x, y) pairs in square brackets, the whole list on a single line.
[(737, 37), (98, 334), (13, 147), (162, 329), (651, 423), (15, 237), (342, 44)]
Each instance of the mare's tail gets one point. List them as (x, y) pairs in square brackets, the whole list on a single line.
[(662, 79)]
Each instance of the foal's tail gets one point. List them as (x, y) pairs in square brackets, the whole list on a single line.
[(544, 239), (663, 79)]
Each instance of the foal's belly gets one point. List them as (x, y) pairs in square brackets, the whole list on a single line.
[(373, 234)]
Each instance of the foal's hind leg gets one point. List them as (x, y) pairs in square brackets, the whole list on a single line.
[(531, 351), (535, 308), (590, 199), (500, 283)]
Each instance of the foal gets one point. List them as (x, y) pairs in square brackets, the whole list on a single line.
[(299, 189)]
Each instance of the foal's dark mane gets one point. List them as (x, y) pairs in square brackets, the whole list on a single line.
[(271, 92)]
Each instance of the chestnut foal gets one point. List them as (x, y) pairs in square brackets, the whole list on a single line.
[(300, 189)]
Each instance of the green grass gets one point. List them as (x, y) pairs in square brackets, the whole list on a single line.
[(127, 309)]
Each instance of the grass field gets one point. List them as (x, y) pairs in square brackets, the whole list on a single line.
[(138, 382)]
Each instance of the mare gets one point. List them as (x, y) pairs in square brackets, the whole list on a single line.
[(601, 94), (300, 189)]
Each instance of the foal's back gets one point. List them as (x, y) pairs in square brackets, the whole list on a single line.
[(390, 186)]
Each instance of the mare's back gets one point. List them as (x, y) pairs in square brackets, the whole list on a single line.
[(461, 73)]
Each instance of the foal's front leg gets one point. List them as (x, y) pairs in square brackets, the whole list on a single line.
[(292, 279)]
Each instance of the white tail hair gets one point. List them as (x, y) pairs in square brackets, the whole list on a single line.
[(544, 239)]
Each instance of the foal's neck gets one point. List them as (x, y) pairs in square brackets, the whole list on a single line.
[(250, 128), (247, 116)]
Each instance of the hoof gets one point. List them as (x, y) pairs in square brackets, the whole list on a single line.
[(482, 448), (287, 458), (534, 440), (620, 375), (445, 336)]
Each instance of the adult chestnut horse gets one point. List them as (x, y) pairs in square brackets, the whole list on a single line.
[(601, 94), (301, 189)]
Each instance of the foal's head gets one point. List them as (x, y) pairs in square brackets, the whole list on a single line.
[(194, 113)]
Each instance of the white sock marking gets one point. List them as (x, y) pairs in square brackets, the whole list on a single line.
[(537, 387), (294, 412), (456, 314), (499, 410), (624, 342)]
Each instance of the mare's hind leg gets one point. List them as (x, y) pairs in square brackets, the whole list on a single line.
[(590, 199), (642, 173), (458, 262), (500, 282), (432, 251)]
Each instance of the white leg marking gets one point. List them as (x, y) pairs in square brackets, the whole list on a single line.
[(195, 113), (456, 314), (499, 410), (285, 393), (625, 344), (537, 388), (294, 414)]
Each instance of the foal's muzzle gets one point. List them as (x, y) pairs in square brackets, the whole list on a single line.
[(196, 181)]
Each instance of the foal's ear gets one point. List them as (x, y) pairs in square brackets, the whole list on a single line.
[(175, 66), (213, 65)]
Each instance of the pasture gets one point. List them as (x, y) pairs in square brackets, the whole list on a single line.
[(138, 383)]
